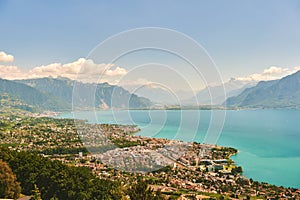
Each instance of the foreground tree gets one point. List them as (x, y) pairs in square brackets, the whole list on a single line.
[(140, 190), (43, 178), (9, 187)]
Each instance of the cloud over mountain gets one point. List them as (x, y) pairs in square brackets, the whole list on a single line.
[(86, 70), (4, 57), (271, 73), (9, 72), (83, 69)]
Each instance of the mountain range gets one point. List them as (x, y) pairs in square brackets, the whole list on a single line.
[(162, 96), (210, 95), (29, 96), (62, 94), (216, 95), (282, 93), (57, 94)]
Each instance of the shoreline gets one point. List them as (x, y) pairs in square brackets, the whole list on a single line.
[(216, 167), (254, 176), (220, 108), (185, 168)]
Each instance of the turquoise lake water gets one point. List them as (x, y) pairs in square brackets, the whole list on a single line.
[(268, 140)]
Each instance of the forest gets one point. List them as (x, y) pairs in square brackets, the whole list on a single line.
[(33, 175)]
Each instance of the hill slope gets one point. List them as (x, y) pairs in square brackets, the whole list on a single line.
[(101, 95), (216, 95), (282, 93), (29, 95)]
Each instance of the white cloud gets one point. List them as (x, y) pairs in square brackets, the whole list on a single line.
[(296, 68), (10, 72), (116, 72), (87, 71), (81, 69), (4, 57), (275, 70), (271, 73)]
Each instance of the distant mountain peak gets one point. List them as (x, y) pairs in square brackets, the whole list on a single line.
[(281, 93)]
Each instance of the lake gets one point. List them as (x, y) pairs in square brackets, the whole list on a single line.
[(268, 140)]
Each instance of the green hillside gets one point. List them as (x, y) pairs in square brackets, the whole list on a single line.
[(282, 93), (30, 96), (86, 95)]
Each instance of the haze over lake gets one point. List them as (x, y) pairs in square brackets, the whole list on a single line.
[(267, 140)]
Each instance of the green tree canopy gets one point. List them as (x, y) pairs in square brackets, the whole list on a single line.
[(9, 187)]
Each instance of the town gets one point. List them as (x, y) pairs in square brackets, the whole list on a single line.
[(177, 169)]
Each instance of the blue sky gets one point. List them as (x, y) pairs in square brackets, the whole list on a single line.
[(242, 37)]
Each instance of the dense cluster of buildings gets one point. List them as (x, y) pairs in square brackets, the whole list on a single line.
[(116, 152)]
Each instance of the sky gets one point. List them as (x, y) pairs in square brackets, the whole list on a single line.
[(245, 39)]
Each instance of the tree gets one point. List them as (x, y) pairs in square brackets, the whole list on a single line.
[(36, 193), (9, 187), (43, 178), (141, 191), (237, 170)]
